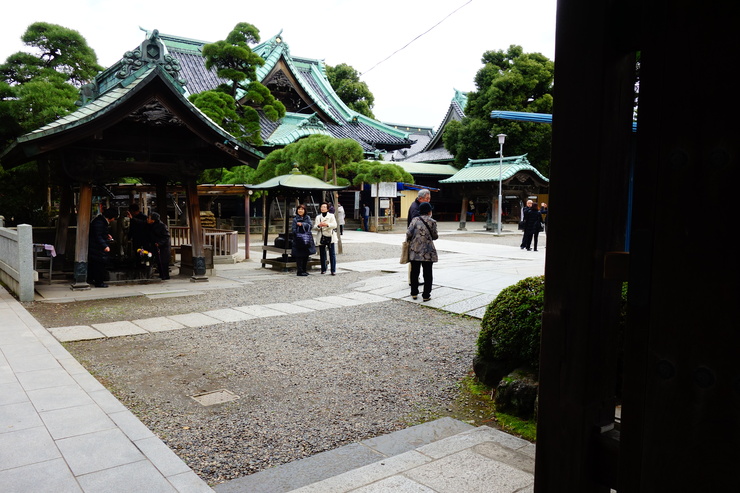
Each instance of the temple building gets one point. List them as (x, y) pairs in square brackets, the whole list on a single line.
[(301, 84)]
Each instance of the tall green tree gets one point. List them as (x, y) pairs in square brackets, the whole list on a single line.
[(509, 81), (351, 90), (315, 155), (234, 105), (41, 85), (37, 87)]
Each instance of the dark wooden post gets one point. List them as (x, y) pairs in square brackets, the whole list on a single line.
[(463, 213), (247, 206), (592, 124), (65, 210), (84, 208), (196, 231), (161, 186)]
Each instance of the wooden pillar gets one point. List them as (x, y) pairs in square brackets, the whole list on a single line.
[(592, 132), (84, 208), (247, 206), (65, 211), (161, 186), (196, 231), (463, 213), (265, 225)]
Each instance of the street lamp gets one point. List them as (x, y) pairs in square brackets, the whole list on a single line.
[(501, 139)]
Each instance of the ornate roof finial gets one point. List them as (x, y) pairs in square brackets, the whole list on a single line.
[(151, 51)]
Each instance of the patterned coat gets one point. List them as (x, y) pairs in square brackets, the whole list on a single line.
[(421, 239)]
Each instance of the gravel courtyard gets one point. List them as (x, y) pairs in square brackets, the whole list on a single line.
[(305, 383)]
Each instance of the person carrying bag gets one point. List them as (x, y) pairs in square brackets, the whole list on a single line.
[(420, 235), (326, 225)]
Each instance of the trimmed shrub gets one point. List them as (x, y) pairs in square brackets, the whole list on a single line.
[(510, 329)]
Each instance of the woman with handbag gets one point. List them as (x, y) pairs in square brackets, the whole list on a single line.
[(303, 244), (422, 254), (326, 225)]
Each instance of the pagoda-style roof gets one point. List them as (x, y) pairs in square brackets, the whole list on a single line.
[(495, 169), (301, 85), (434, 150), (134, 120)]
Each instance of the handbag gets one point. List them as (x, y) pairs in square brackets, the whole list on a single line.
[(303, 239), (405, 252), (325, 240)]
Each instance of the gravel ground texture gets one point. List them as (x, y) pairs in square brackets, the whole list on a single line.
[(305, 383)]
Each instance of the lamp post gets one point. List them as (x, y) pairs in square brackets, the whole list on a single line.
[(501, 139)]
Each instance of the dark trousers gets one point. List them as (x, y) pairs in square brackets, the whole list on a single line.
[(301, 264), (96, 273), (527, 240), (426, 267), (366, 221), (332, 257), (162, 255)]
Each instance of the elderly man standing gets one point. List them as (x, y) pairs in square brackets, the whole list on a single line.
[(423, 196)]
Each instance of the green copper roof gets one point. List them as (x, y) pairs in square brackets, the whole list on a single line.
[(293, 126), (295, 181), (425, 168), (493, 169)]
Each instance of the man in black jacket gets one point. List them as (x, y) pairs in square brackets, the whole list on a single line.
[(423, 196), (98, 248), (137, 229)]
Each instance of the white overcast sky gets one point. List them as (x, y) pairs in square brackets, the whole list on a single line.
[(435, 46)]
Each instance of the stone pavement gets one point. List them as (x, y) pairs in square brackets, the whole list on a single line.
[(61, 430)]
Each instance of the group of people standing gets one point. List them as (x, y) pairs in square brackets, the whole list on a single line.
[(533, 221), (150, 234), (324, 227), (147, 234)]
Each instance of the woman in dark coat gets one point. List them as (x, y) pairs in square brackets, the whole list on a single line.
[(301, 224), (532, 224), (159, 237), (421, 234)]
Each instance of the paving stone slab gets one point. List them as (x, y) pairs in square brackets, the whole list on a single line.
[(136, 476), (98, 451), (194, 320), (56, 474), (228, 315), (74, 421), (369, 474), (118, 329), (452, 473), (304, 471), (470, 303), (339, 300), (477, 313), (258, 311), (59, 397), (18, 416), (317, 306), (24, 447), (158, 324), (365, 297), (417, 436), (289, 308)]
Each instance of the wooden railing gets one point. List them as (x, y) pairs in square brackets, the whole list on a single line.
[(225, 242)]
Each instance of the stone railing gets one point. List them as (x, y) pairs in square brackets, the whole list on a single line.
[(16, 260)]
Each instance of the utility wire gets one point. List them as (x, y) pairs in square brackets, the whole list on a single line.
[(417, 37)]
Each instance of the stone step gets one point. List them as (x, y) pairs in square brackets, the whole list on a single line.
[(326, 465)]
